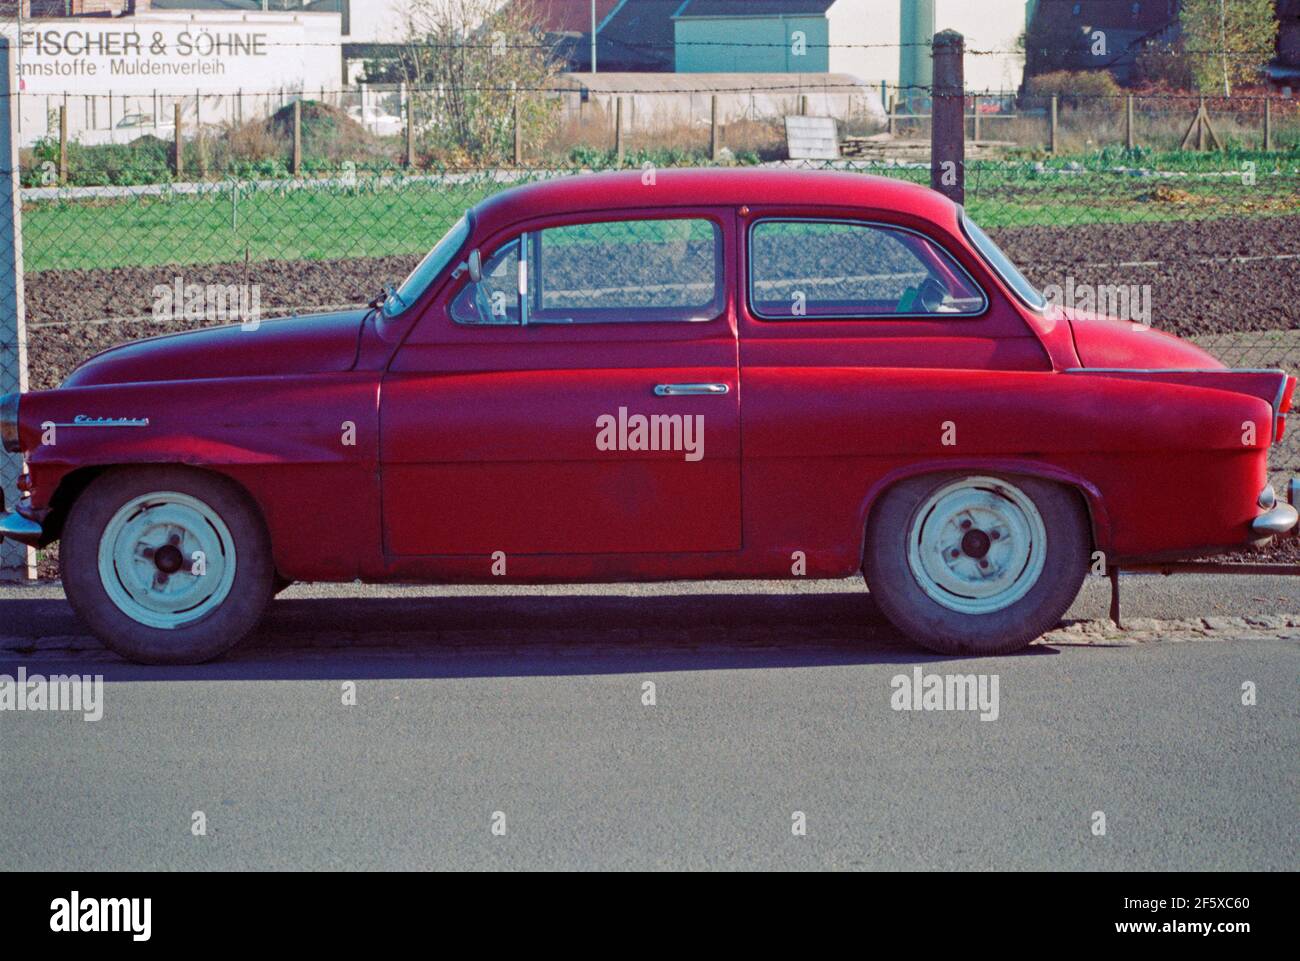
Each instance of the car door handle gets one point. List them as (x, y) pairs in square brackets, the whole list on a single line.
[(683, 390)]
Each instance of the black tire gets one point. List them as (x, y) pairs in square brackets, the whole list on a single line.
[(901, 597), (208, 636)]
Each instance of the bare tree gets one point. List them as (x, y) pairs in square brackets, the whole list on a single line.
[(472, 62)]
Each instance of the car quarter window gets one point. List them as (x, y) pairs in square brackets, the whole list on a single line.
[(611, 271), (810, 269), (495, 298)]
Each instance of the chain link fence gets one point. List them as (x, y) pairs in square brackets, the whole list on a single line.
[(1204, 245)]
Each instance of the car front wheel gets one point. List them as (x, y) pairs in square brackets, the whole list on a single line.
[(976, 564), (166, 565)]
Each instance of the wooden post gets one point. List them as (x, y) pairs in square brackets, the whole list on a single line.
[(1268, 124), (296, 165), (948, 126), (63, 145), (618, 129), (1130, 134), (803, 105), (893, 115), (519, 137), (1052, 125), (410, 130), (715, 141), (1202, 129), (975, 133), (178, 151)]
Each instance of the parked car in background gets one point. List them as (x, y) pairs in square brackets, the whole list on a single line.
[(696, 374)]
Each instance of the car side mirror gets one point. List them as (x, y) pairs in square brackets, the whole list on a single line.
[(473, 264)]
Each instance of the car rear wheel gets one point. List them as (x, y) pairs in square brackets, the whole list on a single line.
[(166, 565), (976, 564)]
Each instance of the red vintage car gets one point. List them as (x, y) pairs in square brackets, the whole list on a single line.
[(628, 376)]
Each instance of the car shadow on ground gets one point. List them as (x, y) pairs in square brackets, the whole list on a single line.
[(498, 636)]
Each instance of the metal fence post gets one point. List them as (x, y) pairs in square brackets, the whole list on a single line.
[(409, 93), (1053, 120), (296, 168), (519, 137), (948, 126), (63, 145), (715, 140), (178, 153), (618, 128), (1130, 134), (17, 562)]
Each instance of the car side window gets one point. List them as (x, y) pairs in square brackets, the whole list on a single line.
[(824, 269), (494, 300), (627, 271), (622, 271)]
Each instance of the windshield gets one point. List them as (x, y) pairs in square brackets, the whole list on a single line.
[(1000, 263), (429, 268)]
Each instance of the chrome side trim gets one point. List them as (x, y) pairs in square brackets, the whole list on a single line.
[(1174, 370), (523, 279), (18, 528), (1279, 520)]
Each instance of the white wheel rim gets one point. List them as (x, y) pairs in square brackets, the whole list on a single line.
[(166, 560), (977, 545)]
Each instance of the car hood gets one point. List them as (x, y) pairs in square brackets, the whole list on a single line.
[(1106, 342), (310, 344)]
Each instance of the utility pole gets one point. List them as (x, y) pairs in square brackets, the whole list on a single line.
[(593, 36)]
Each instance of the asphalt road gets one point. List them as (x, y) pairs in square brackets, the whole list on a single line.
[(769, 701)]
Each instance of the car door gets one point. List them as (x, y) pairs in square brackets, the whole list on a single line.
[(581, 397)]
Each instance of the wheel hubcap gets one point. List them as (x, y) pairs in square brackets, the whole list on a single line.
[(166, 560), (977, 545)]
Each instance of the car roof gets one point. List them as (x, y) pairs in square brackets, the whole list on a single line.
[(710, 187)]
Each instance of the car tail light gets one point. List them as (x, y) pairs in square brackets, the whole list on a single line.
[(1283, 406)]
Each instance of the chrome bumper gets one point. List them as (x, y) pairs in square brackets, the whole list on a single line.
[(1280, 518), (15, 527), (1277, 521)]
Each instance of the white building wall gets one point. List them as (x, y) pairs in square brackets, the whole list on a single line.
[(863, 24), (378, 21), (987, 25)]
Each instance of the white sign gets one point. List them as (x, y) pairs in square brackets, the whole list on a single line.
[(136, 56)]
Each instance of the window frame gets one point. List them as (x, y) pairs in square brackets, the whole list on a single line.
[(752, 304), (529, 240)]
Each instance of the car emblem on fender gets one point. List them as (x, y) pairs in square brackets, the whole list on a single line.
[(84, 420)]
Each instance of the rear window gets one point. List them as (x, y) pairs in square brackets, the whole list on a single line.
[(838, 269)]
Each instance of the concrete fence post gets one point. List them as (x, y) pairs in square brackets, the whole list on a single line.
[(17, 562), (948, 123)]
